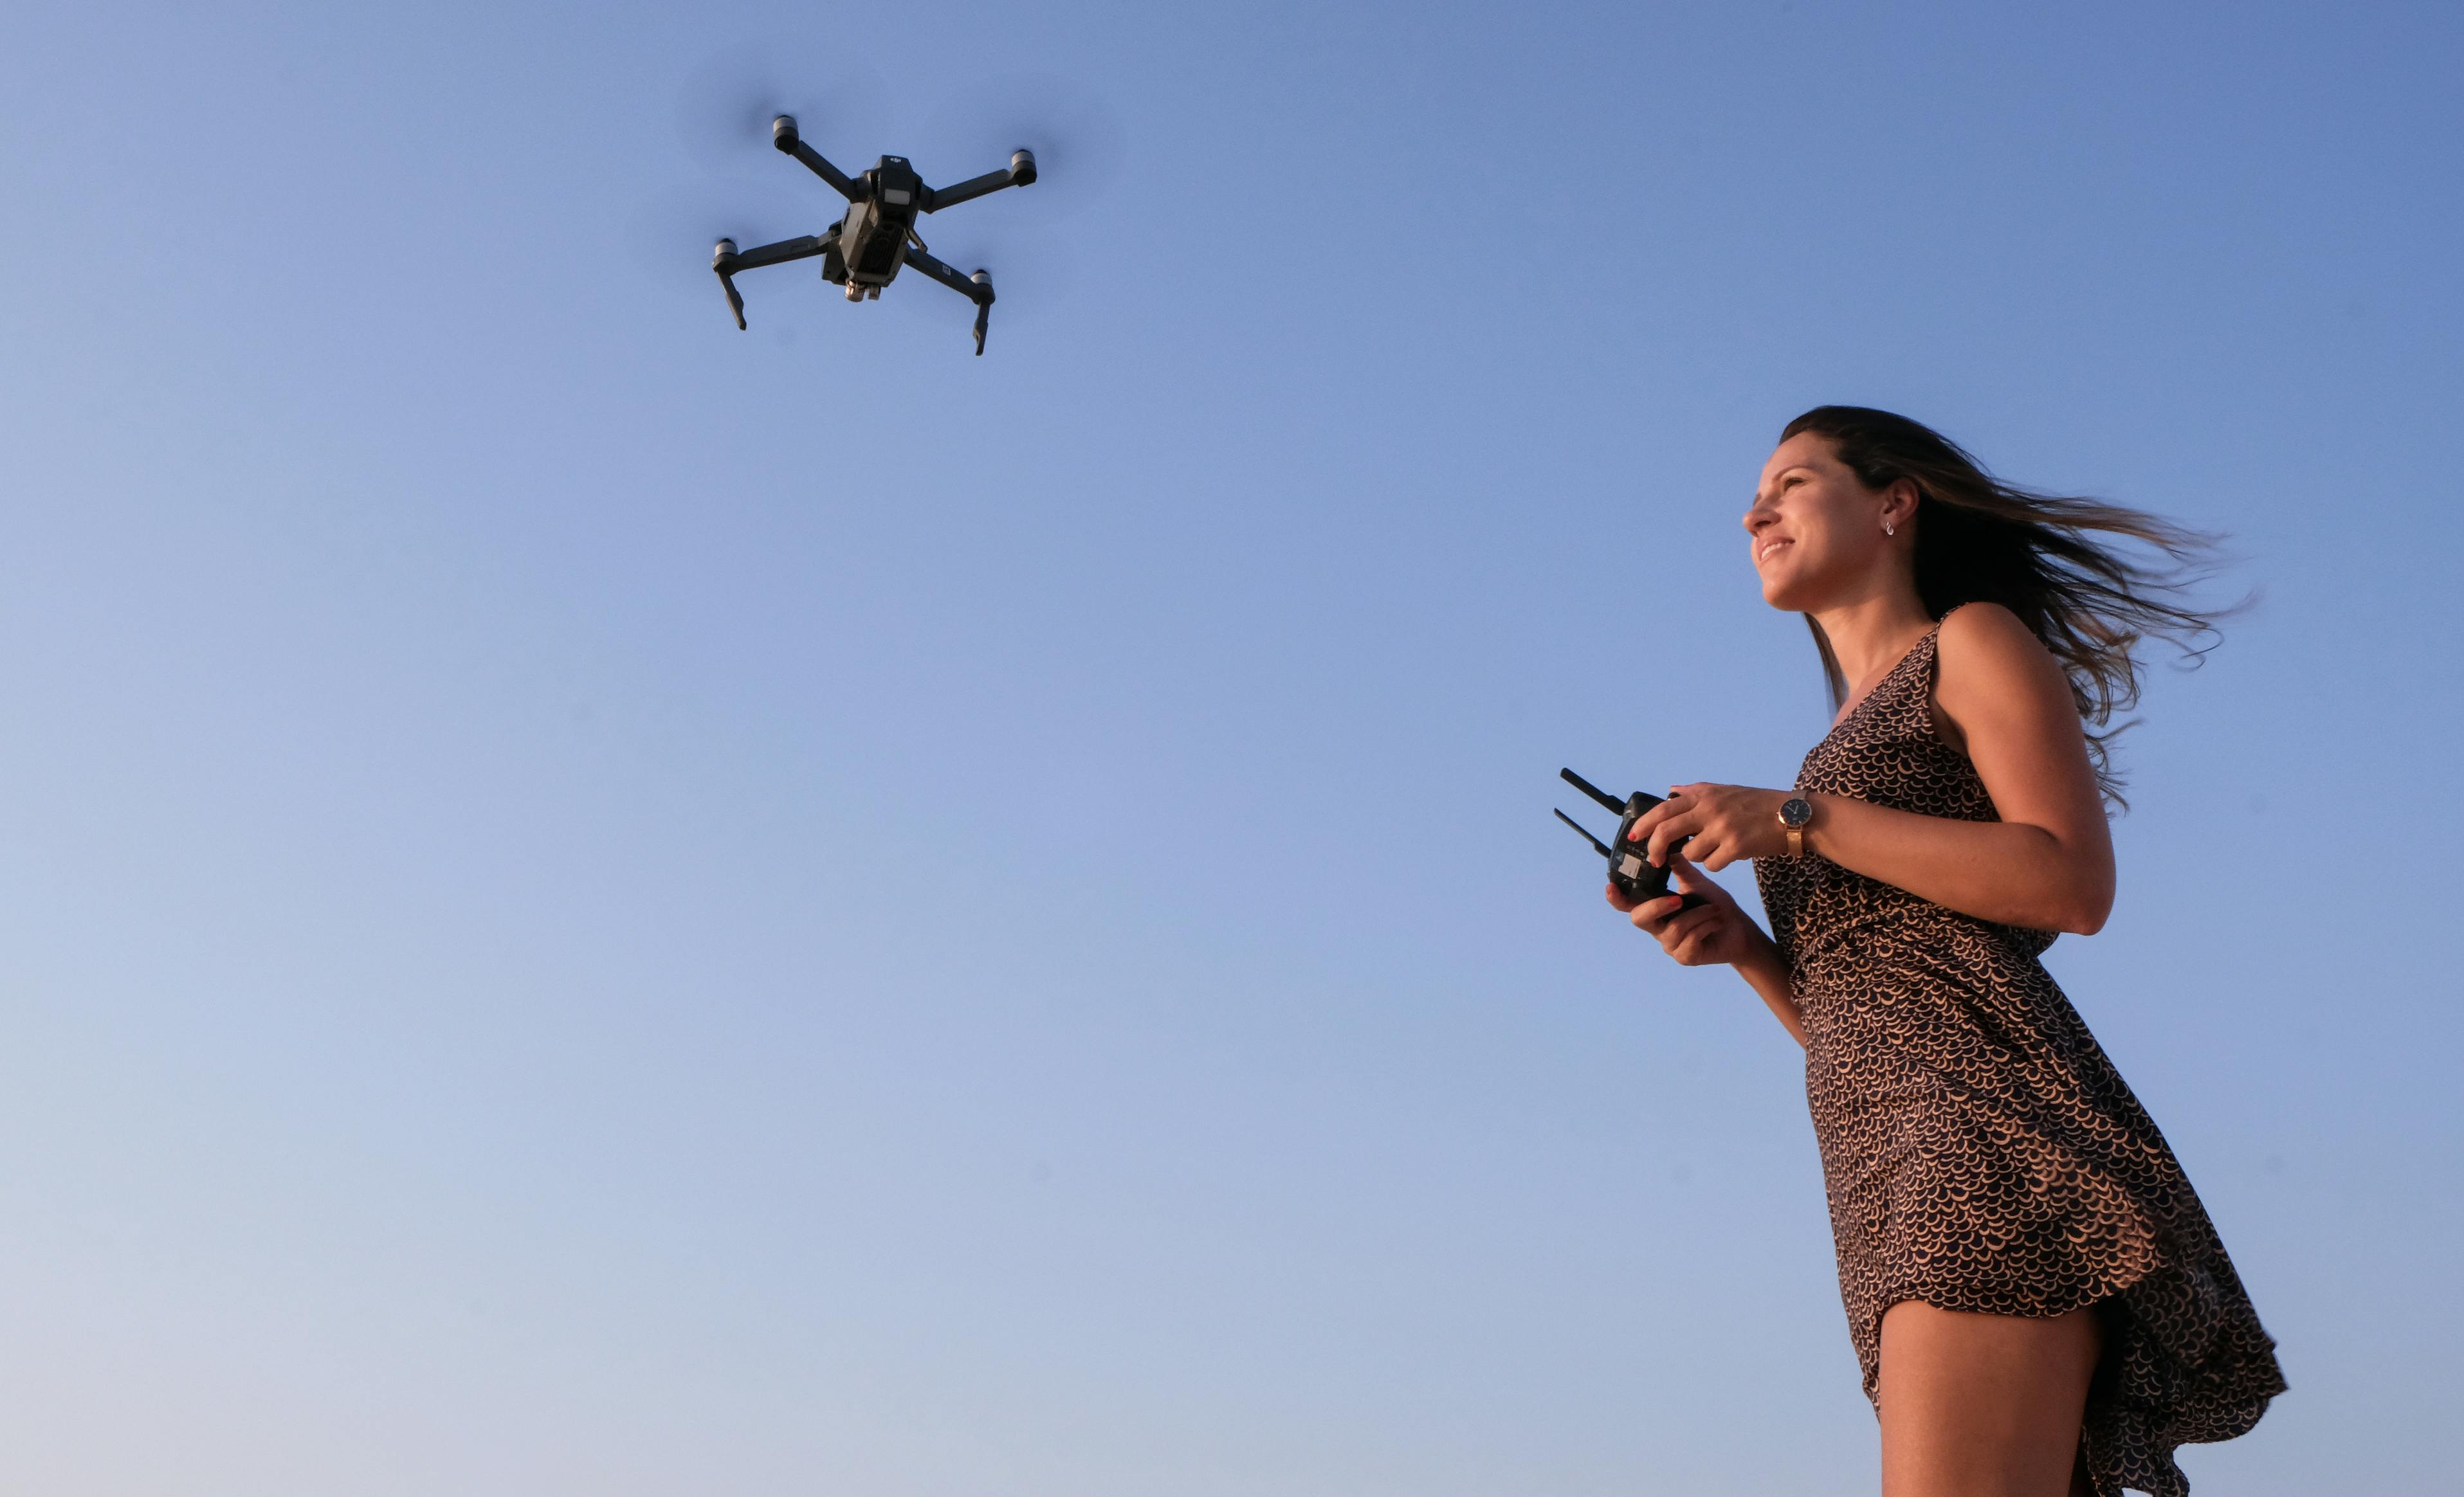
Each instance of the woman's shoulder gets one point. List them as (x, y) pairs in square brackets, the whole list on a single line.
[(1985, 625), (1991, 638), (1986, 657)]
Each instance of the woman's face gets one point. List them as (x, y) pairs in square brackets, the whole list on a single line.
[(1818, 532)]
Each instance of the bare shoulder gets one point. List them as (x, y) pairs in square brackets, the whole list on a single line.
[(1982, 643), (1988, 630), (2003, 699), (1992, 668)]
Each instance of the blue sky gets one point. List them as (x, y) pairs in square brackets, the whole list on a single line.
[(594, 903)]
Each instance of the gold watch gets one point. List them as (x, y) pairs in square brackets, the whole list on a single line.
[(1795, 814)]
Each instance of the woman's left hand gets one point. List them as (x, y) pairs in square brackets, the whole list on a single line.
[(1726, 823)]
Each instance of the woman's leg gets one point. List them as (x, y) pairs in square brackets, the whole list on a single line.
[(1982, 1405)]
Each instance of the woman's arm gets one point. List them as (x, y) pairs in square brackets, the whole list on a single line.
[(2001, 696), (1714, 933)]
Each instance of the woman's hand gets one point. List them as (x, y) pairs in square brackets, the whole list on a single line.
[(1726, 823), (1716, 934)]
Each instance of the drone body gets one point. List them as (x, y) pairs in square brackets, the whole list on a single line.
[(865, 250)]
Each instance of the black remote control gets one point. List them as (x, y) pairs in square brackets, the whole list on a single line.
[(1635, 876)]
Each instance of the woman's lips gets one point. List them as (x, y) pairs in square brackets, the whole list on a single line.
[(1765, 550)]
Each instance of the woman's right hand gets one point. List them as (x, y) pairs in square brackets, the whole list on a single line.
[(1710, 935)]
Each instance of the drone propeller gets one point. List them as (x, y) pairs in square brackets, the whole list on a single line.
[(670, 234), (724, 109), (1077, 138)]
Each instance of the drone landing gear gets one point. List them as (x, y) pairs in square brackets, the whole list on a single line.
[(977, 287)]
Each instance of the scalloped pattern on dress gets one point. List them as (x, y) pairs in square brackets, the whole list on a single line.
[(1979, 1151)]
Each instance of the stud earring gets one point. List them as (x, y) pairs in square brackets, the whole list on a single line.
[(1889, 529)]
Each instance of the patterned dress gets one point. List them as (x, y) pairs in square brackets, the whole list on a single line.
[(1979, 1151)]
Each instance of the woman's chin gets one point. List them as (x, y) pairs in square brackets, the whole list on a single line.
[(1777, 592)]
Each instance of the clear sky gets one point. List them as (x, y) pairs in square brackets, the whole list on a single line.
[(591, 903)]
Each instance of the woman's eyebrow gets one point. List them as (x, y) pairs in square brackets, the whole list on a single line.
[(1782, 474)]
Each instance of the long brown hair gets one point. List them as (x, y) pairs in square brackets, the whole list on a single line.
[(1979, 540)]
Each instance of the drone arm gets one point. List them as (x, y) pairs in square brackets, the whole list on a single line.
[(972, 187), (977, 287), (946, 276), (728, 260), (822, 169), (784, 136), (804, 248), (1019, 173)]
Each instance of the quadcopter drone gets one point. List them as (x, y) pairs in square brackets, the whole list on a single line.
[(864, 250)]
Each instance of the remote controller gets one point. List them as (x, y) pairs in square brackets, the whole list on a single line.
[(1634, 875)]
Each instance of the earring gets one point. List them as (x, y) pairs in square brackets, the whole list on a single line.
[(1889, 529)]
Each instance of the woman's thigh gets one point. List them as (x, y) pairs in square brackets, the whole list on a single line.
[(1982, 1405)]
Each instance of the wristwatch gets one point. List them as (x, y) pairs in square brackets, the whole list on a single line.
[(1795, 814)]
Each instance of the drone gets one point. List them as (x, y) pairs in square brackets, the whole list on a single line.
[(865, 250)]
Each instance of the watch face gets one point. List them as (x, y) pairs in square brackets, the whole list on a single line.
[(1796, 811)]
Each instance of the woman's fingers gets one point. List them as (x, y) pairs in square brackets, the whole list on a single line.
[(1648, 823), (1693, 880), (1690, 936), (1672, 828), (1649, 916), (1691, 949)]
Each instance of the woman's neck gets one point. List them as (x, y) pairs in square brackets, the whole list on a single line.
[(1869, 634)]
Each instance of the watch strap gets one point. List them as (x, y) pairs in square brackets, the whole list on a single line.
[(1794, 826)]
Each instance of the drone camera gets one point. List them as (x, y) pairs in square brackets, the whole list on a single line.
[(1021, 168)]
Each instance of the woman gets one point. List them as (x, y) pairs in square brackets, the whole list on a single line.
[(2037, 1297)]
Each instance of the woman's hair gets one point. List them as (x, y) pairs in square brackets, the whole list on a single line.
[(2043, 557)]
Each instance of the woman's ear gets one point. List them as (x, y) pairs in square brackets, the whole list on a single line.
[(1899, 504)]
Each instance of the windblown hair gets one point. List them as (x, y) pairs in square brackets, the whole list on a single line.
[(2043, 557)]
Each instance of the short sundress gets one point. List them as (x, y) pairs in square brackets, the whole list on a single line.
[(1979, 1150)]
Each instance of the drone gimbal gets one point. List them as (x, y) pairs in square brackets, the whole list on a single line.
[(864, 250)]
